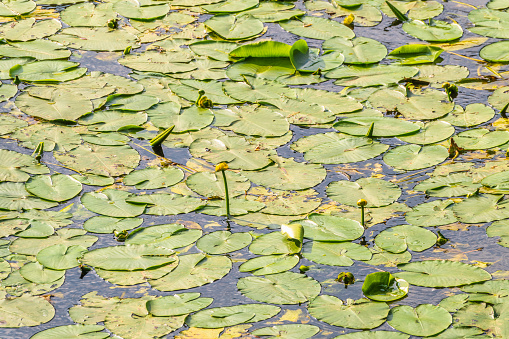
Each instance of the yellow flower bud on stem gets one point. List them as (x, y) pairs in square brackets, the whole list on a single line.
[(362, 203)]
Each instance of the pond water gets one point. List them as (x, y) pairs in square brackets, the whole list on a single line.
[(306, 133)]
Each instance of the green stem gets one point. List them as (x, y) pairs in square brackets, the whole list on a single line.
[(227, 196), (362, 217)]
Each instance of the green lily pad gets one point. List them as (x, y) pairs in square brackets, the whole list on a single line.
[(496, 52), (424, 320), (221, 242), (26, 310), (235, 27), (210, 184), (16, 167), (62, 106), (57, 187), (398, 239), (441, 273), (452, 185), (96, 38), (414, 157), (177, 304), (154, 177), (48, 71), (437, 31), (112, 203), (427, 105), (346, 150), (473, 115), (330, 228), (40, 274), (335, 254), (166, 204), (499, 229), (88, 14), (274, 243), (14, 8), (371, 75), (29, 29), (481, 138), (169, 236), (14, 197), (489, 22), (102, 224), (376, 192), (73, 332), (281, 288), (133, 10), (430, 133), (269, 264), (374, 335), (302, 331), (434, 213), (382, 286), (61, 257), (359, 50), (382, 126), (481, 208), (317, 28), (414, 54), (357, 314)]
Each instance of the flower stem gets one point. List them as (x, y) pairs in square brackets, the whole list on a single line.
[(227, 196)]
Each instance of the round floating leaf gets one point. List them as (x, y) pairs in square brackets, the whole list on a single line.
[(193, 270), (473, 115), (424, 320), (230, 6), (100, 160), (29, 29), (61, 257), (112, 203), (441, 273), (357, 51), (376, 192), (497, 182), (167, 204), (274, 243), (371, 75), (330, 228), (96, 38), (281, 288), (232, 315), (216, 50), (374, 335), (481, 138), (177, 304), (131, 278), (301, 331), (16, 8), (129, 257), (455, 184), (428, 105), (496, 52), (167, 235), (434, 213), (499, 229), (94, 180), (255, 89), (154, 177), (57, 187), (414, 157), (16, 167), (26, 310), (48, 71), (238, 206), (430, 133), (73, 332), (382, 126), (220, 242), (398, 239), (211, 184), (235, 27), (14, 197), (489, 22), (262, 49), (317, 28), (481, 208), (437, 31), (63, 105), (414, 54), (358, 314), (39, 274), (88, 14), (259, 121), (345, 150), (335, 254), (382, 286), (133, 10), (269, 264)]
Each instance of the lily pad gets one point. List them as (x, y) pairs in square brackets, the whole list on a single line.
[(398, 239), (269, 264), (424, 320), (235, 27), (26, 310), (414, 157), (177, 304), (481, 208), (437, 31), (430, 133), (317, 28), (371, 75), (169, 236), (346, 150), (211, 184), (166, 204), (221, 242), (302, 331), (377, 126), (57, 187), (472, 115), (359, 50), (382, 286), (335, 254), (434, 213), (330, 228), (376, 192), (111, 203), (61, 257), (154, 177), (73, 332)]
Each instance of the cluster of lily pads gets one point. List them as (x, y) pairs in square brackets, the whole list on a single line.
[(115, 114)]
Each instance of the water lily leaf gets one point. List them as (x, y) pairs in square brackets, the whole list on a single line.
[(414, 54), (281, 288), (216, 50), (287, 203), (167, 204), (254, 90), (57, 187), (232, 315), (269, 264), (376, 192), (495, 52), (481, 138), (497, 182), (317, 28), (456, 184), (96, 38), (16, 285), (47, 71), (414, 157), (430, 133), (29, 29), (169, 236), (213, 90), (441, 273), (419, 10), (365, 13), (112, 203), (94, 180), (358, 314), (303, 59), (100, 160), (73, 332), (235, 27), (236, 151), (190, 119), (154, 177), (26, 310), (302, 331), (221, 242), (230, 6), (177, 304), (61, 257), (486, 317), (36, 229), (429, 104), (374, 335), (424, 320), (193, 270), (129, 257), (133, 10), (275, 11), (371, 75), (37, 49), (16, 167), (440, 74), (499, 98), (491, 292), (489, 22), (88, 14), (262, 49), (238, 206), (434, 213), (102, 224), (39, 274), (398, 239), (274, 243), (499, 229), (131, 278), (382, 286), (9, 124), (335, 254), (330, 228), (16, 7), (106, 139), (137, 102), (481, 208), (112, 121), (437, 31), (382, 126), (358, 50), (259, 121), (266, 68), (473, 115), (14, 197), (164, 62), (345, 150), (211, 184)]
